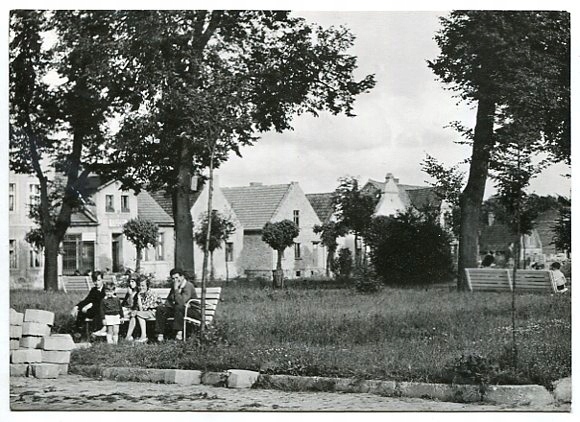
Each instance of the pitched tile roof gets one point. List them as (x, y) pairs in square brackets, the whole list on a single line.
[(417, 196), (255, 205), (164, 200), (322, 204), (496, 237), (149, 209), (83, 218)]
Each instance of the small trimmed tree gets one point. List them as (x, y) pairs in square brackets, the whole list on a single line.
[(221, 229), (279, 236), (329, 232), (142, 233)]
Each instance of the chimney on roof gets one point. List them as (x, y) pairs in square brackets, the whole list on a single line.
[(253, 184), (390, 176)]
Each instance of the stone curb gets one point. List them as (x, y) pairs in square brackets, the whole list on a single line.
[(515, 395)]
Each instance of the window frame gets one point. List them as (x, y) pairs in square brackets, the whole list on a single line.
[(12, 197), (126, 208), (109, 207), (297, 251), (13, 254), (296, 217)]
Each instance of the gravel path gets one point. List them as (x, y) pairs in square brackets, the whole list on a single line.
[(74, 392)]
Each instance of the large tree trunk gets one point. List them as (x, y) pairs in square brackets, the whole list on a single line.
[(472, 196), (51, 244), (330, 261), (181, 201)]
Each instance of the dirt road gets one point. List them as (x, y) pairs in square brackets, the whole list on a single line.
[(79, 393)]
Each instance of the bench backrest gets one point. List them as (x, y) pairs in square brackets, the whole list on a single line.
[(535, 280), (76, 283), (500, 279), (212, 298), (488, 279)]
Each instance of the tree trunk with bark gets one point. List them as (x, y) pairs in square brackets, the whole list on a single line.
[(51, 247), (279, 273), (181, 202), (472, 196)]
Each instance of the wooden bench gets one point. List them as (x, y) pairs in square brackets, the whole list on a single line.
[(212, 298), (501, 279), (75, 283)]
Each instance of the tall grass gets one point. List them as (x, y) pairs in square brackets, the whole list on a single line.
[(404, 334)]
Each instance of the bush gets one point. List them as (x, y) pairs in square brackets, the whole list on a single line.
[(410, 249), (343, 263)]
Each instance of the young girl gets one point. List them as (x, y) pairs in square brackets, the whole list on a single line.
[(559, 277), (112, 312)]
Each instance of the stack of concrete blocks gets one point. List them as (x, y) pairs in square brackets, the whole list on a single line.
[(39, 353)]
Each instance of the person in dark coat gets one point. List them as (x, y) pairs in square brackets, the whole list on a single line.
[(180, 293), (90, 306)]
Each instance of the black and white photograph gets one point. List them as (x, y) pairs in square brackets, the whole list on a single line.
[(288, 210)]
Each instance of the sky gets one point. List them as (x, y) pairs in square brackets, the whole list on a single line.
[(402, 119)]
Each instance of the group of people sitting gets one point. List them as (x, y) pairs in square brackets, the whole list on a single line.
[(140, 304)]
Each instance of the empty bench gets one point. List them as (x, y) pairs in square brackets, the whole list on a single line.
[(500, 279)]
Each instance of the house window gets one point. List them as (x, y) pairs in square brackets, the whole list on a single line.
[(77, 255), (11, 196), (297, 254), (33, 194), (296, 217), (160, 249), (35, 258), (13, 260), (109, 204), (124, 203), (229, 251)]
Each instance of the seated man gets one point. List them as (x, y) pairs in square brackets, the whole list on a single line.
[(90, 306), (181, 291)]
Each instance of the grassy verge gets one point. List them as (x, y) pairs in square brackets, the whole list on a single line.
[(432, 335)]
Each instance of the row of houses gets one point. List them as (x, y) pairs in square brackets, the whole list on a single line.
[(95, 238)]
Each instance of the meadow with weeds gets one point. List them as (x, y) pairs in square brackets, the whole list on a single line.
[(329, 329)]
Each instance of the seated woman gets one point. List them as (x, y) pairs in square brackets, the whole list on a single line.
[(147, 301), (130, 300), (90, 306)]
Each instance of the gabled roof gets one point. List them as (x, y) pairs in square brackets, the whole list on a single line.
[(424, 198), (496, 237), (83, 217), (164, 200), (322, 204), (255, 205), (149, 209)]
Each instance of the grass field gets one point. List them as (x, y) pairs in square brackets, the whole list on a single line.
[(323, 329)]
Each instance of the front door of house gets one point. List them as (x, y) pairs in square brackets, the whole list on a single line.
[(116, 253)]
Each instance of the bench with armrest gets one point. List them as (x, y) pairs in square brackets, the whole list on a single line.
[(501, 279)]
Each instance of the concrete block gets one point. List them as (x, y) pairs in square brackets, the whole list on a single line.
[(58, 342), (467, 393), (16, 318), (382, 388), (563, 390), (443, 392), (240, 378), (45, 370), (62, 368), (14, 344), (35, 329), (83, 345), (18, 369), (217, 379), (31, 342), (55, 356), (15, 331), (26, 356), (182, 376), (38, 315), (134, 374), (517, 395)]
